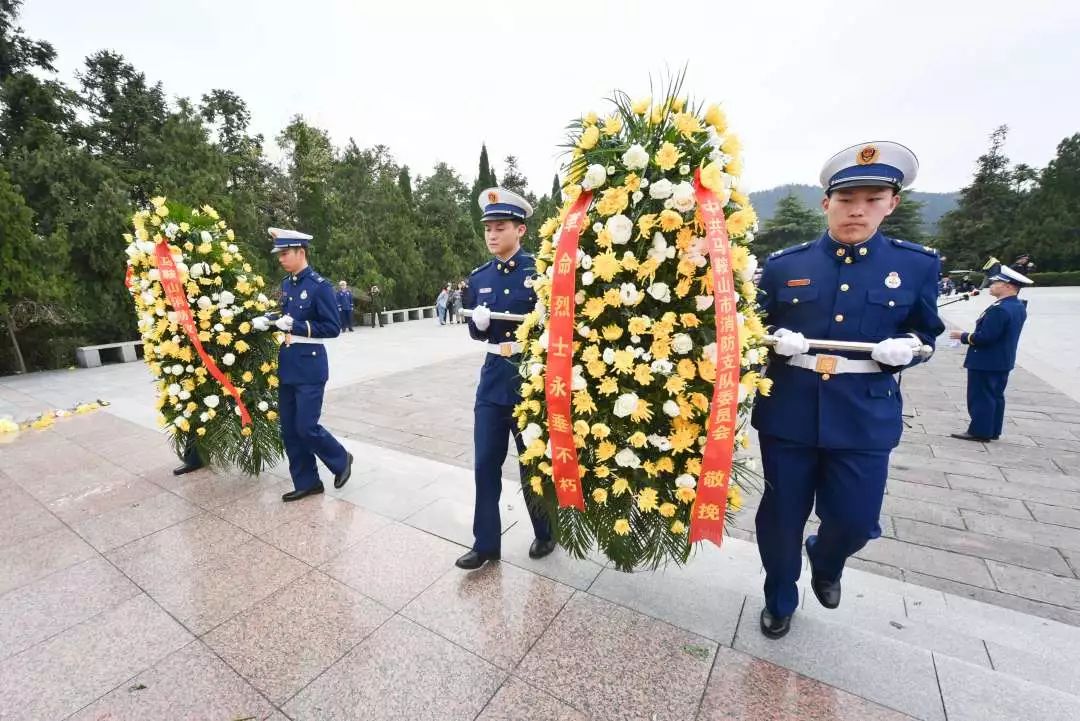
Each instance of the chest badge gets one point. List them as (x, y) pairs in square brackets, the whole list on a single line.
[(303, 295), (798, 282), (892, 280), (485, 290)]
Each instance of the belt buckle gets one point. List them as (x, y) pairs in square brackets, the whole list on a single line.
[(288, 339), (825, 364), (506, 349)]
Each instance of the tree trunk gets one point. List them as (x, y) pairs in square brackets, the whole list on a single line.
[(15, 344)]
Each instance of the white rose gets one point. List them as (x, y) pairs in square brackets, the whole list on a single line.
[(153, 274), (204, 303), (597, 227), (681, 343), (182, 268), (190, 368), (196, 270), (625, 404), (219, 327), (211, 401), (228, 359), (262, 298), (584, 331), (530, 433), (685, 481), (543, 340), (577, 381), (626, 458), (608, 355), (263, 406), (177, 369), (595, 176), (174, 389), (751, 268), (662, 366), (684, 169), (184, 395), (709, 352), (179, 421), (586, 261), (753, 356), (660, 292), (204, 417), (637, 196), (206, 237), (682, 197), (671, 408), (226, 298), (611, 170), (233, 248), (621, 228), (132, 250), (661, 189), (703, 302), (635, 157), (628, 293), (579, 297), (147, 297)]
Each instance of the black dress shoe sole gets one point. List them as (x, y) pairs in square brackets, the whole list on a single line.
[(545, 551), (969, 437), (821, 597), (347, 474), (472, 565), (771, 632), (297, 495), (186, 469)]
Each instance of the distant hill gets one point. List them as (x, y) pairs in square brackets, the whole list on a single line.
[(935, 205)]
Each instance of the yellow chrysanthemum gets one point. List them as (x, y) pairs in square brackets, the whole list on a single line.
[(620, 486), (612, 332), (740, 221), (608, 386), (642, 412), (687, 124), (670, 220), (593, 308), (734, 497), (605, 450), (624, 361), (715, 117), (537, 485), (605, 266), (678, 528), (600, 431), (643, 374), (599, 495), (641, 105), (612, 124), (638, 439), (667, 157), (682, 439), (622, 527), (612, 201), (646, 500), (589, 138), (583, 403), (686, 495), (667, 510)]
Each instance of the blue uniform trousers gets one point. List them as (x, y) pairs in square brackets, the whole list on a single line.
[(300, 407), (492, 425), (346, 319), (986, 402), (847, 485)]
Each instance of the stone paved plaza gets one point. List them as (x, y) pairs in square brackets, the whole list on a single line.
[(127, 593)]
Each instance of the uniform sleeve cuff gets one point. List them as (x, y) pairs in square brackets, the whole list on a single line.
[(965, 338)]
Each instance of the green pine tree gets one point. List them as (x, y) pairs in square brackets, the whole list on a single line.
[(793, 223)]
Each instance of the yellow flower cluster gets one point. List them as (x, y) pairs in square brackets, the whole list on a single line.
[(645, 350)]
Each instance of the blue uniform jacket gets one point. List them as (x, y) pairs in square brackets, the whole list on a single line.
[(992, 347), (500, 285), (309, 299), (880, 288), (344, 300)]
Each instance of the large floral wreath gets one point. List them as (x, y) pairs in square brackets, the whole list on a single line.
[(195, 297), (643, 186)]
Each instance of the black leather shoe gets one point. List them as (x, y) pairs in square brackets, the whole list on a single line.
[(827, 592), (774, 626), (474, 560), (965, 436), (186, 468), (342, 478), (539, 548), (297, 495)]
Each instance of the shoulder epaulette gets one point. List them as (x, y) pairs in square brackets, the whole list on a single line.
[(788, 251), (479, 268), (914, 246)]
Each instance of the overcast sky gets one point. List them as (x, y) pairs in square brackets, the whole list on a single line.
[(800, 80)]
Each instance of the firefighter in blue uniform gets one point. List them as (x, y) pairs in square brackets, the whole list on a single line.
[(992, 354), (832, 418), (500, 285), (308, 316), (344, 298)]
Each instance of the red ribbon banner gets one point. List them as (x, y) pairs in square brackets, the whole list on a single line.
[(559, 371), (707, 515), (177, 297)]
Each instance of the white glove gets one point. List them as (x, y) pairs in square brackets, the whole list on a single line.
[(261, 323), (284, 323), (481, 317), (893, 352), (789, 342)]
